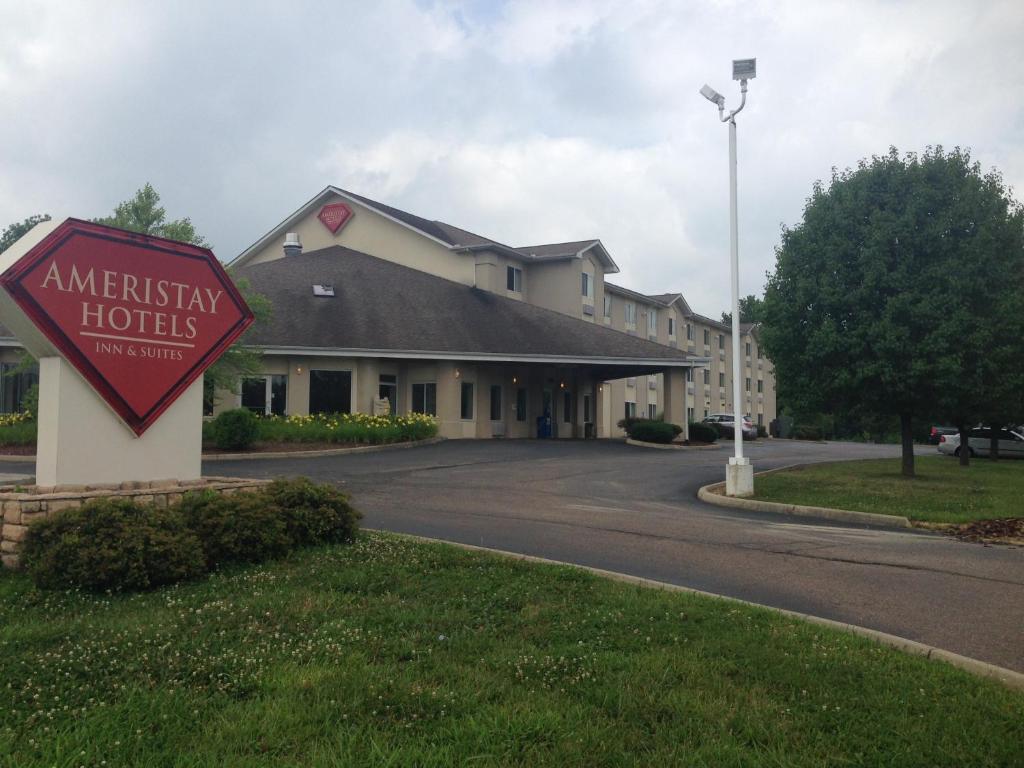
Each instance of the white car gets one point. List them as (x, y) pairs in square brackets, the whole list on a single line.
[(1011, 443)]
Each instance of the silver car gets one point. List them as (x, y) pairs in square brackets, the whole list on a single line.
[(1011, 443)]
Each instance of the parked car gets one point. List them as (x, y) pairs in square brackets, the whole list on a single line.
[(724, 423), (937, 432), (1011, 443)]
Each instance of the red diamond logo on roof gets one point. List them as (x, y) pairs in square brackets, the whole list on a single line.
[(139, 317), (335, 216)]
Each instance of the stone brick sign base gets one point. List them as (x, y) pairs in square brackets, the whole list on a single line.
[(22, 505)]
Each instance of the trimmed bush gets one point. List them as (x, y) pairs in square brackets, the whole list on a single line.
[(235, 430), (240, 528), (112, 544), (702, 433), (807, 433), (312, 514), (652, 432), (761, 431)]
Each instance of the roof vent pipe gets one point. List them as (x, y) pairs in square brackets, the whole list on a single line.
[(292, 244)]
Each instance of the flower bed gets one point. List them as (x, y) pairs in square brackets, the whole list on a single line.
[(17, 429), (341, 428)]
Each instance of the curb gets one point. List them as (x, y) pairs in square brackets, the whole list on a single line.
[(672, 446), (707, 494), (283, 454), (324, 452), (1007, 677)]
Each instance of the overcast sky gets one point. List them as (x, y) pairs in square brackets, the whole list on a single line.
[(526, 122)]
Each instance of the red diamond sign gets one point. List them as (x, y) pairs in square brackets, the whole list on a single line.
[(335, 216), (139, 317)]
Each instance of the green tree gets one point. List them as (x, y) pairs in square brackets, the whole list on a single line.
[(884, 299), (15, 231), (143, 213), (751, 310)]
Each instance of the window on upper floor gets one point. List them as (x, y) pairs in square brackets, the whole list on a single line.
[(707, 337), (721, 341), (748, 349), (721, 379), (748, 385), (760, 385), (630, 312), (608, 306), (514, 279), (652, 321), (671, 326), (689, 331), (707, 376), (587, 285)]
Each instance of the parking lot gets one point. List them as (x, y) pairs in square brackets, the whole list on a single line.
[(634, 510)]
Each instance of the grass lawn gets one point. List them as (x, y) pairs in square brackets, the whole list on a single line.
[(396, 653), (942, 492)]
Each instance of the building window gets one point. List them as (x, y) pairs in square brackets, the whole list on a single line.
[(588, 286), (671, 326), (424, 398), (466, 405), (567, 407), (514, 279), (630, 410), (707, 376), (748, 385), (721, 379), (689, 415), (521, 404), (629, 309), (652, 322), (689, 374), (607, 307), (706, 412), (13, 386), (760, 419), (496, 402), (760, 385), (330, 391), (721, 341), (652, 410), (707, 337), (689, 331), (748, 349)]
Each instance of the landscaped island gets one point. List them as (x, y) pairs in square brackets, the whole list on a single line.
[(393, 652), (942, 491)]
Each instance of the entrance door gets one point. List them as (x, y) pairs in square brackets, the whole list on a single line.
[(546, 425)]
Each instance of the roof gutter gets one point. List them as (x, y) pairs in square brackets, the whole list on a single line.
[(493, 357)]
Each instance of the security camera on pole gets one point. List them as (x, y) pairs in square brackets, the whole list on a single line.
[(739, 474)]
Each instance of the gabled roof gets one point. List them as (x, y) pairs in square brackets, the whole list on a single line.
[(674, 298), (633, 294), (383, 307), (448, 235)]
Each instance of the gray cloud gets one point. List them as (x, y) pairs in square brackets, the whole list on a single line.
[(525, 121)]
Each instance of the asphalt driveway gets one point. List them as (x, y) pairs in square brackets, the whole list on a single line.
[(634, 510)]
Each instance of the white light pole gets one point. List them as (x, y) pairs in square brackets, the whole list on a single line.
[(739, 474)]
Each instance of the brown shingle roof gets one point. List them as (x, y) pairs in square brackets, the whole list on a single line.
[(380, 305)]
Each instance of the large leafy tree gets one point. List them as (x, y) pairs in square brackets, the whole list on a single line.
[(887, 297)]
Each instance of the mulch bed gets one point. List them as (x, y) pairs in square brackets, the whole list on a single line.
[(1006, 530)]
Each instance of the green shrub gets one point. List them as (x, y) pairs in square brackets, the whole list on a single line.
[(762, 431), (627, 423), (676, 429), (652, 432), (702, 433), (312, 514), (235, 430), (807, 433), (112, 544), (240, 528)]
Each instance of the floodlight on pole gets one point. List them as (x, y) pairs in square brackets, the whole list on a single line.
[(739, 473)]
